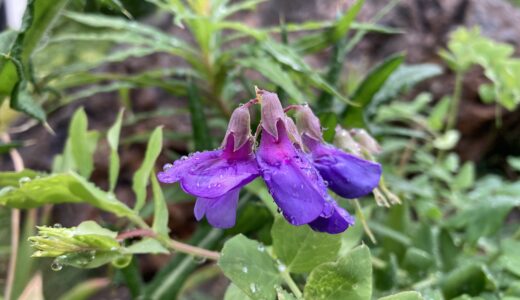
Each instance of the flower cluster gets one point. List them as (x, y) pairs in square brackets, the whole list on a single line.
[(293, 160)]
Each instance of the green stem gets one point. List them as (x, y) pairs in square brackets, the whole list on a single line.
[(455, 101), (364, 222), (292, 285)]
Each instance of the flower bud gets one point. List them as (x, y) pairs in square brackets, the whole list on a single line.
[(344, 141), (308, 123), (292, 132), (272, 111), (366, 141), (239, 126)]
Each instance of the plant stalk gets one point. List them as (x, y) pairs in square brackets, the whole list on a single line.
[(292, 285)]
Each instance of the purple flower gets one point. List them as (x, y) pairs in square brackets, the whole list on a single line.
[(347, 175), (216, 177), (293, 181)]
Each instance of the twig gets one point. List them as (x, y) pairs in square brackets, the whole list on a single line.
[(15, 224), (364, 222), (172, 244)]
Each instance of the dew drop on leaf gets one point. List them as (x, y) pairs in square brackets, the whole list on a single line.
[(24, 180), (56, 266), (57, 225), (244, 269), (261, 247)]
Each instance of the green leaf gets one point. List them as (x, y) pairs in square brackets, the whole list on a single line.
[(404, 296), (15, 70), (249, 267), (160, 216), (471, 279), (201, 133), (147, 246), (113, 142), (510, 259), (84, 290), (62, 188), (316, 42), (300, 248), (140, 180), (81, 145), (234, 293), (466, 176), (348, 278), (404, 78), (15, 178), (371, 84), (447, 141), (273, 72), (438, 114)]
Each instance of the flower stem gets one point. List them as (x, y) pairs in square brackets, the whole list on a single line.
[(15, 225), (292, 285), (364, 222)]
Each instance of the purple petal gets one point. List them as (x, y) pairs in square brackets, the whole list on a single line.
[(211, 174), (220, 212), (338, 222), (294, 183), (347, 175)]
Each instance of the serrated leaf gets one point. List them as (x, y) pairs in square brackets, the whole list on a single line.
[(404, 296), (250, 267), (300, 248), (147, 246), (160, 215), (140, 179), (113, 142), (348, 278), (82, 148)]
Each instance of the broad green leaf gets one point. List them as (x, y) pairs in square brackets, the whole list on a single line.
[(147, 246), (62, 188), (300, 248), (16, 178), (234, 293), (80, 143), (113, 142), (140, 180), (250, 267), (404, 296), (348, 278), (371, 84), (160, 216)]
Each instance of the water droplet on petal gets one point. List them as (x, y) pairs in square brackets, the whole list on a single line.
[(166, 167), (184, 157)]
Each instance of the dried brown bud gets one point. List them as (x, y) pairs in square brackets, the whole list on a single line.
[(344, 141)]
